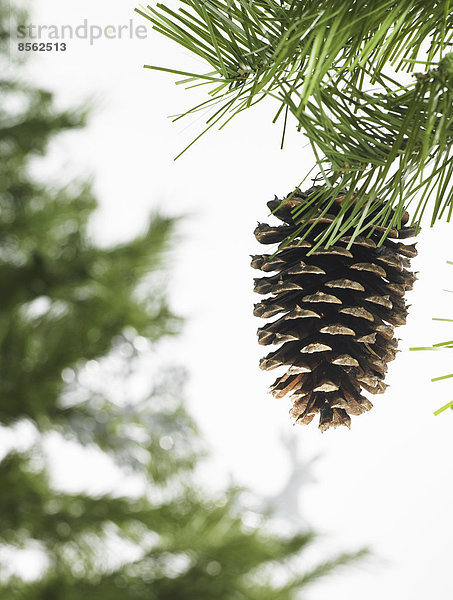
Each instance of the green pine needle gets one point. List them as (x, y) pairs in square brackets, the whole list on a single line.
[(441, 410)]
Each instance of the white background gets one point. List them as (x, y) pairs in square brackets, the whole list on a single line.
[(386, 483)]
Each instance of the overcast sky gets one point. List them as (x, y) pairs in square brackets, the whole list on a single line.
[(386, 483)]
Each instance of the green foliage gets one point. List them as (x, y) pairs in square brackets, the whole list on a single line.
[(78, 329), (325, 64), (270, 40), (440, 346), (63, 298), (46, 260)]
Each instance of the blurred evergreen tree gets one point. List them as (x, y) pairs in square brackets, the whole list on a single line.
[(75, 322)]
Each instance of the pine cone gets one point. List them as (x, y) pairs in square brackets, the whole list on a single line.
[(337, 309)]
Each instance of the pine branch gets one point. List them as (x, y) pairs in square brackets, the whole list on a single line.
[(271, 41), (316, 61), (377, 145)]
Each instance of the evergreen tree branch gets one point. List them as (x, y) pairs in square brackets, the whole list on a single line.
[(316, 60)]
